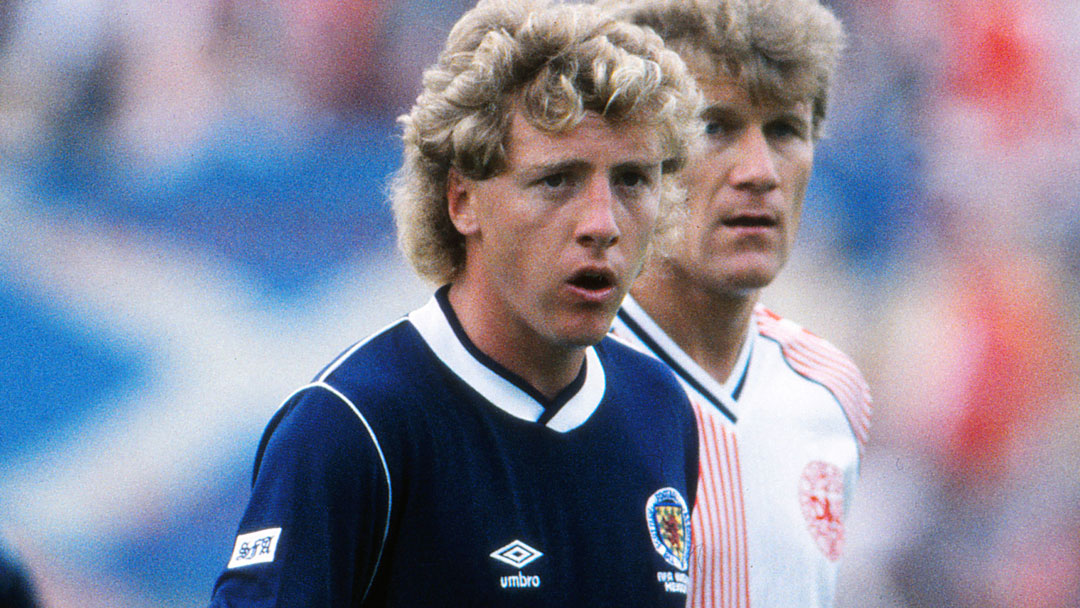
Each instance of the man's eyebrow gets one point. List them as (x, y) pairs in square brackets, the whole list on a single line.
[(722, 110), (573, 165), (719, 109), (644, 165), (569, 165)]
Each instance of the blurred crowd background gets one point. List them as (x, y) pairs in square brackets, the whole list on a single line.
[(193, 220)]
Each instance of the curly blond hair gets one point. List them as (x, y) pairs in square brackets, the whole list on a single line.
[(784, 50), (551, 62)]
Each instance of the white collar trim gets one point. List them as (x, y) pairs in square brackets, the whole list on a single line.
[(435, 329), (721, 392)]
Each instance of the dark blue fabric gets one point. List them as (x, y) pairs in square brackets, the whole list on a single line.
[(467, 479)]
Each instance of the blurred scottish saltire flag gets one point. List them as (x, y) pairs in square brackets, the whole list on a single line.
[(151, 324), (193, 221)]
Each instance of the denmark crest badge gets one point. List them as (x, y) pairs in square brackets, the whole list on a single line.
[(821, 496)]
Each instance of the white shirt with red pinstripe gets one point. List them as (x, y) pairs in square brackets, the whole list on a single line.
[(780, 444)]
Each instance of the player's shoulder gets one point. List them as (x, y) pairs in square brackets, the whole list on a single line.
[(373, 371), (352, 398), (648, 396), (820, 361), (386, 367), (377, 354), (16, 585), (800, 343)]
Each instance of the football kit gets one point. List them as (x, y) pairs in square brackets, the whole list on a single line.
[(780, 444), (416, 471)]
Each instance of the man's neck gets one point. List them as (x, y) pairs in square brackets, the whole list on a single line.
[(708, 325), (546, 366)]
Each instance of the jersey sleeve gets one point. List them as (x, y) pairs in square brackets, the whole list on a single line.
[(313, 531)]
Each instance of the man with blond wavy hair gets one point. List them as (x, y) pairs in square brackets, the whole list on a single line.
[(783, 415), (496, 447)]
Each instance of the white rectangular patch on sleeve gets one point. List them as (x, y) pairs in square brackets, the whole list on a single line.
[(255, 548)]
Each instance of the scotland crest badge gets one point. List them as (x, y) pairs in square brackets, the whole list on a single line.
[(669, 526)]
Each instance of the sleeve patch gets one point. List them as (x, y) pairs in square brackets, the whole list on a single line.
[(255, 548)]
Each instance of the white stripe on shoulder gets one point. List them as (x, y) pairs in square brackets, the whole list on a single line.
[(382, 459), (622, 334)]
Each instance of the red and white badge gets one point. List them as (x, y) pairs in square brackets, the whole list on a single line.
[(821, 497)]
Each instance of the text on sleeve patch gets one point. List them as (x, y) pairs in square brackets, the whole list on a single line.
[(255, 548)]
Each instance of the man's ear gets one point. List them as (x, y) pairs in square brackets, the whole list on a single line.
[(461, 201)]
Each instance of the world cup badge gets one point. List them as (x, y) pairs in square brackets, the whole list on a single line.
[(669, 526)]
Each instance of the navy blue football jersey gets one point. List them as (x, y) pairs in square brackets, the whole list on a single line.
[(416, 471)]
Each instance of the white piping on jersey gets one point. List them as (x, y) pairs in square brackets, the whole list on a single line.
[(320, 382), (435, 329), (386, 473)]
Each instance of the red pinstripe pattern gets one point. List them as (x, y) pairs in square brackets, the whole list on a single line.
[(822, 362), (719, 575)]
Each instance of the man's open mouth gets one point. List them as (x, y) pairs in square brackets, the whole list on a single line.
[(593, 280)]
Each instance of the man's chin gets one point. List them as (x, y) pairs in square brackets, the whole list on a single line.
[(585, 335), (746, 281), (584, 340)]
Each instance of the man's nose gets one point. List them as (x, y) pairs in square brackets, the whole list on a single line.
[(755, 165), (597, 226)]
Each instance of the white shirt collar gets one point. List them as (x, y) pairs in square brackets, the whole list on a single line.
[(496, 384), (656, 341)]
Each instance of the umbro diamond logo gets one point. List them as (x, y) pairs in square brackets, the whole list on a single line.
[(517, 554)]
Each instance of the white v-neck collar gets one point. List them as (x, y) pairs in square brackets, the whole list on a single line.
[(436, 330), (663, 347)]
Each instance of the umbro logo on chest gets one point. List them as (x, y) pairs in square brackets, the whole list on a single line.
[(517, 555)]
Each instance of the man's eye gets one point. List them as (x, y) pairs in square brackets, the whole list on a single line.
[(785, 130), (719, 127), (553, 181), (631, 179)]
